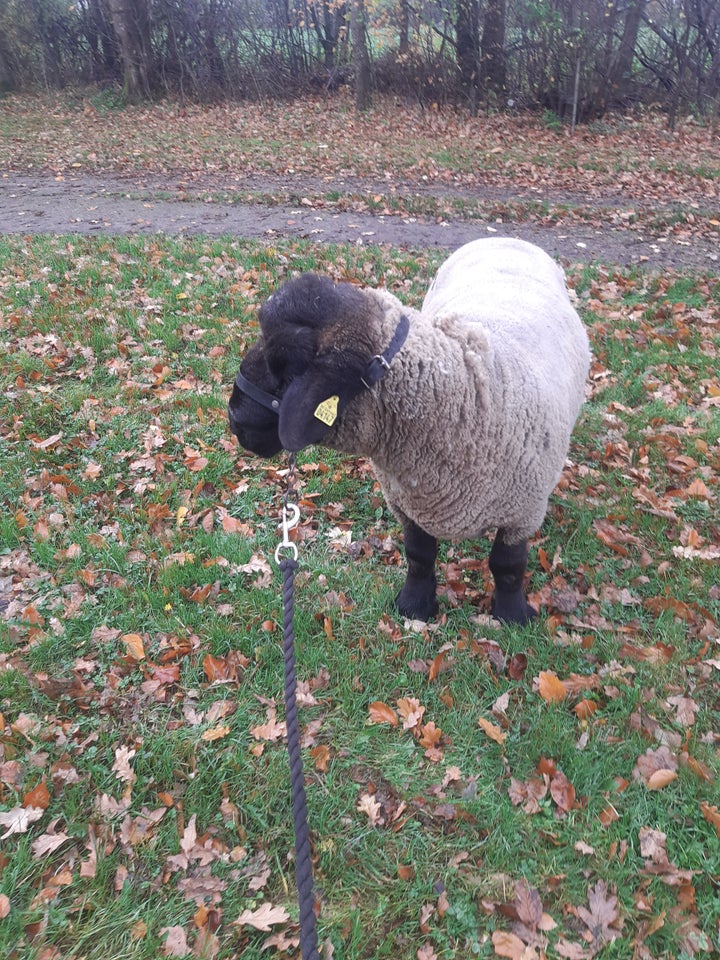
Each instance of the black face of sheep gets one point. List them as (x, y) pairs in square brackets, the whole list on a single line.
[(310, 351), (464, 408)]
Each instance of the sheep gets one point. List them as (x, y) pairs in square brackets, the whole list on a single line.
[(464, 408)]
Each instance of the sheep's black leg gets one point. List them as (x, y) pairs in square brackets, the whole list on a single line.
[(418, 599), (507, 565)]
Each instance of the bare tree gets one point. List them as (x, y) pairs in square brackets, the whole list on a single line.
[(493, 66), (132, 21), (467, 46), (361, 55)]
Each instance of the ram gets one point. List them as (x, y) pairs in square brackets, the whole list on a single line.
[(464, 408)]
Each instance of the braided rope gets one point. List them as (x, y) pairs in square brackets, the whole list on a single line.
[(303, 861)]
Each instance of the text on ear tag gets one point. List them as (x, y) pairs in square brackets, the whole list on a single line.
[(327, 410)]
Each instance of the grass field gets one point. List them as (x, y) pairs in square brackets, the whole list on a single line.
[(473, 791)]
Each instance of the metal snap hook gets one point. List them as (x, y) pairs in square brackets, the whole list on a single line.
[(290, 519)]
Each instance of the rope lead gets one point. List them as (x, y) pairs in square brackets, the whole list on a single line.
[(303, 861)]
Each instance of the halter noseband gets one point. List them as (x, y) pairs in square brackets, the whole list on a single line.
[(260, 396), (375, 370)]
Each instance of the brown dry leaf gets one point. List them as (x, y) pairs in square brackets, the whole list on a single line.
[(411, 710), (508, 944), (49, 841), (18, 819), (134, 645), (550, 687), (660, 779), (603, 918), (584, 848), (368, 805), (517, 666), (382, 713), (426, 952), (698, 490), (685, 708), (499, 708), (657, 768), (584, 709), (430, 735), (4, 905), (231, 525), (528, 793), (321, 756), (215, 733), (570, 950), (271, 730), (608, 815), (528, 905), (712, 815), (652, 844), (39, 796), (492, 730), (175, 943), (436, 666), (121, 766), (562, 792), (264, 918)]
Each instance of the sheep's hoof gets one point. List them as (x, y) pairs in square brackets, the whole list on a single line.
[(512, 608), (417, 602)]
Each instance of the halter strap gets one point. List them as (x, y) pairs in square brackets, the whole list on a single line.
[(260, 396), (375, 370)]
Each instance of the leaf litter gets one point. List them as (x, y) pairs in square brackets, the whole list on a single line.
[(100, 514)]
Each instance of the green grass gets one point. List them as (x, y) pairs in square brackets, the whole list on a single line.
[(118, 355)]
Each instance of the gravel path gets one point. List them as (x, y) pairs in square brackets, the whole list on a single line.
[(112, 204)]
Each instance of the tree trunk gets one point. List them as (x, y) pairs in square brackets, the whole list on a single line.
[(492, 47), (131, 22), (6, 81), (361, 57), (621, 74), (467, 31), (404, 23)]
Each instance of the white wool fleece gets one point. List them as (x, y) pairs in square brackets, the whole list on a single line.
[(470, 429)]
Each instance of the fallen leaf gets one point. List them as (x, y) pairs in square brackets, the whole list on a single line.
[(121, 766), (411, 710), (492, 730), (562, 792), (712, 815), (321, 756), (368, 805), (264, 918), (48, 843), (508, 944), (134, 645), (426, 952), (660, 779), (215, 733), (39, 796), (602, 916), (656, 767), (685, 708), (175, 943), (382, 713), (550, 687), (19, 819)]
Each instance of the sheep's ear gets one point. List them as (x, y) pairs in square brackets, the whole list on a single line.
[(312, 404)]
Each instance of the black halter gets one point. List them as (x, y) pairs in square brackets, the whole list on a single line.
[(375, 370), (260, 396)]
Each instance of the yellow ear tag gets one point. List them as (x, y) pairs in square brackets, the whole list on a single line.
[(327, 410)]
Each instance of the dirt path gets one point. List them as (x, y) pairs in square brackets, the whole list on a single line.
[(113, 204)]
